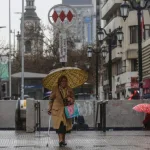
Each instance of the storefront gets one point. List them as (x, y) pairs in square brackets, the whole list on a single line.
[(120, 91), (32, 85), (146, 85), (134, 84)]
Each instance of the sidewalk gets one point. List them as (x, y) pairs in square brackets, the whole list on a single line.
[(89, 140)]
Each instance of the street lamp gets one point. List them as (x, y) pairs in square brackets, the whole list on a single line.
[(100, 35), (118, 32), (124, 9), (22, 51), (13, 32), (119, 35), (104, 52), (90, 51), (10, 87)]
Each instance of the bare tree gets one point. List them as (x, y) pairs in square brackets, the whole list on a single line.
[(46, 59)]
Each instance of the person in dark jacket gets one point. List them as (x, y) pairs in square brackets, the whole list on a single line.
[(146, 122)]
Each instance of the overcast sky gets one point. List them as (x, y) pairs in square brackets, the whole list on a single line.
[(42, 8)]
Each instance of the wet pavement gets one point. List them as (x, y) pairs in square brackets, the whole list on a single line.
[(77, 140)]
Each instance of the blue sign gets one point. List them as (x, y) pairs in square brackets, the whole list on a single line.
[(88, 21)]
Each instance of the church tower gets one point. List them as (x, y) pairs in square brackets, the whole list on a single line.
[(32, 30)]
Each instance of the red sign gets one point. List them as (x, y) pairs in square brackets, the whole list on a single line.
[(134, 82), (55, 16), (70, 16), (62, 16)]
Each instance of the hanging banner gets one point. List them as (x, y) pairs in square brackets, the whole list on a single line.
[(63, 47), (4, 68)]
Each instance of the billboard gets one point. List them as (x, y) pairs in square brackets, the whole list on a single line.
[(4, 75)]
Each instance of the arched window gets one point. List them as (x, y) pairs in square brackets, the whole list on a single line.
[(28, 46)]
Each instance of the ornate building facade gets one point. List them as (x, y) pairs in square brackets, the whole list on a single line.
[(32, 30)]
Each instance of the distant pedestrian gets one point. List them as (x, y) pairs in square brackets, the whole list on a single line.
[(61, 96)]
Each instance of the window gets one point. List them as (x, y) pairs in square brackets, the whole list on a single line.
[(105, 75), (119, 67), (134, 65), (123, 66), (133, 34), (146, 32), (28, 46)]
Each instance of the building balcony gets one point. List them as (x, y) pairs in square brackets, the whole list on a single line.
[(125, 78), (116, 54), (109, 7), (132, 54), (113, 24)]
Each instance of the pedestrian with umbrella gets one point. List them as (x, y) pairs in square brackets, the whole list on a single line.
[(61, 81), (146, 109)]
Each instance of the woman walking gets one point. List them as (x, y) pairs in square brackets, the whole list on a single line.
[(61, 96)]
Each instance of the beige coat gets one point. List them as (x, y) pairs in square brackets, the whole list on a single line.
[(57, 107)]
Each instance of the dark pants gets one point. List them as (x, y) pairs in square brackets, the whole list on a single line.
[(147, 125), (62, 129)]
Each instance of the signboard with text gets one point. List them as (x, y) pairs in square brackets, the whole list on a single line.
[(63, 47)]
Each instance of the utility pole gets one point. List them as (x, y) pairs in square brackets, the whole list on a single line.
[(22, 52), (9, 49)]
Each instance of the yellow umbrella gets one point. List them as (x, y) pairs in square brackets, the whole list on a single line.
[(75, 76)]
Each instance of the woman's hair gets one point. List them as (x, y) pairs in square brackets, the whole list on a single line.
[(61, 78)]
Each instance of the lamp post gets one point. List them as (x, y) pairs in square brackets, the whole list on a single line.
[(118, 32), (124, 9), (22, 52), (90, 51), (9, 49), (13, 32)]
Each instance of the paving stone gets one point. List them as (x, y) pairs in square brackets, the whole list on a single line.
[(77, 140)]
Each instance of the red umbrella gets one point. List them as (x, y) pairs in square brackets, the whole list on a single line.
[(142, 108)]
